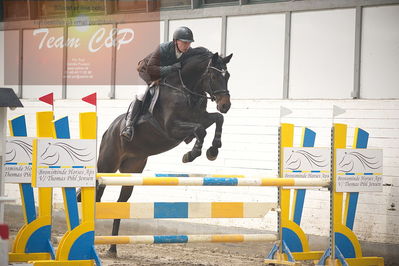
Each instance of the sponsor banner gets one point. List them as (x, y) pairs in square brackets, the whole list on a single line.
[(359, 170), (307, 162), (18, 160), (66, 163), (92, 43)]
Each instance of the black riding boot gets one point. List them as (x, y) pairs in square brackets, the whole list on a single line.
[(131, 119)]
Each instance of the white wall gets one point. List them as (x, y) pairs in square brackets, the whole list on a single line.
[(207, 32), (322, 54), (257, 66), (380, 52)]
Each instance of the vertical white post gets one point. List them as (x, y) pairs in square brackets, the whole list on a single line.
[(335, 112), (283, 113)]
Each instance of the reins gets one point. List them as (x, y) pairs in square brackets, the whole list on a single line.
[(185, 88), (212, 93)]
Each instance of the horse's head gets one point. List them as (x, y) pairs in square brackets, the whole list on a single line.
[(217, 78), (207, 72)]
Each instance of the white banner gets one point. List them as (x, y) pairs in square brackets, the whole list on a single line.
[(359, 170), (66, 163), (18, 160), (307, 162)]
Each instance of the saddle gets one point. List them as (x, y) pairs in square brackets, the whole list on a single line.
[(150, 98), (146, 114)]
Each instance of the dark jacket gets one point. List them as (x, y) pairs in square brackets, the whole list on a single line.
[(158, 64)]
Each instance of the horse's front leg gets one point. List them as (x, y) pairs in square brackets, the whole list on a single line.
[(186, 129), (195, 152), (208, 120)]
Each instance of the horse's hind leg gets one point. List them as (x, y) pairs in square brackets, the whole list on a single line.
[(109, 160), (131, 165), (99, 190), (126, 192)]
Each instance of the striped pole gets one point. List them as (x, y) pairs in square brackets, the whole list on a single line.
[(175, 239), (186, 210), (211, 181), (168, 175)]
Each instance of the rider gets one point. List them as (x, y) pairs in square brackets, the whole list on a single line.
[(156, 66)]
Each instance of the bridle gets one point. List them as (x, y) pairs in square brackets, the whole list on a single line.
[(204, 75), (221, 71)]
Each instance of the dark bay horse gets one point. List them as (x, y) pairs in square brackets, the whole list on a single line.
[(180, 115)]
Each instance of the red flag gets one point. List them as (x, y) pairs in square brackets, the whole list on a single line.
[(48, 98), (92, 99)]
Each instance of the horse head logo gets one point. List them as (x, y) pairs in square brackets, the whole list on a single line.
[(356, 160), (302, 159), (55, 151), (20, 148)]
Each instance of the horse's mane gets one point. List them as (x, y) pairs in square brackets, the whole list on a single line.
[(199, 53)]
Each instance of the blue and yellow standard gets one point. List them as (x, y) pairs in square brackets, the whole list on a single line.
[(33, 240), (294, 246), (77, 245), (346, 249)]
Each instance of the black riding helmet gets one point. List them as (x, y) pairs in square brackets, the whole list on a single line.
[(183, 34)]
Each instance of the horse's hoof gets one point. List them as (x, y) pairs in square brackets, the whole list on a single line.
[(187, 158), (212, 153), (111, 254)]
